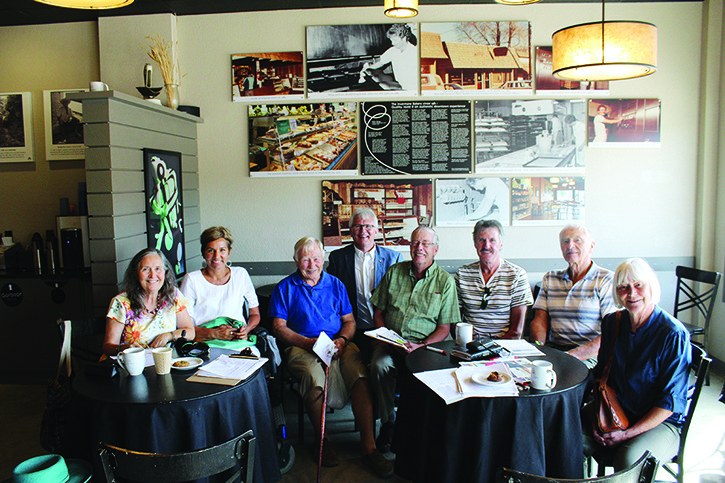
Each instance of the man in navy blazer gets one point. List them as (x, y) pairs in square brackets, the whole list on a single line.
[(361, 266)]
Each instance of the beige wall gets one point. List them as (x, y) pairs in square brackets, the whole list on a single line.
[(37, 58)]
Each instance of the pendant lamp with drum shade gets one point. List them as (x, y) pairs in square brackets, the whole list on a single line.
[(605, 51), (401, 8), (516, 2), (88, 4)]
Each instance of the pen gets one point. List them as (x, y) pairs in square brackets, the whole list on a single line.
[(435, 349), (458, 382)]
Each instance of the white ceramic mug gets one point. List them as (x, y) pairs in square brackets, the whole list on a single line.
[(543, 376), (98, 86), (464, 333), (162, 359), (133, 360)]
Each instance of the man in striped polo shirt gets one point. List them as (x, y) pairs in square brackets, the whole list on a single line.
[(493, 293), (572, 303)]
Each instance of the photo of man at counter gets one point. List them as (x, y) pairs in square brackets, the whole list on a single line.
[(539, 133)]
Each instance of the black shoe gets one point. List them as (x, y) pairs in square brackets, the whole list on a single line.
[(385, 438)]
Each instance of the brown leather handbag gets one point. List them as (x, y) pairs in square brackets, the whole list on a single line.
[(610, 415)]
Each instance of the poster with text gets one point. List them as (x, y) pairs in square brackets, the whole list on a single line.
[(303, 139), (351, 60), (624, 123), (63, 125), (416, 137), (400, 206), (545, 80), (556, 200), (522, 135), (263, 76), (492, 57), (464, 201), (16, 128)]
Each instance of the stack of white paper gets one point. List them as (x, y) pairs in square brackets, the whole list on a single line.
[(226, 367)]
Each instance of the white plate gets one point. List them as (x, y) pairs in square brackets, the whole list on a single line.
[(482, 378), (194, 362)]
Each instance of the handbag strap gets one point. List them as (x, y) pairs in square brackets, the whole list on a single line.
[(615, 334)]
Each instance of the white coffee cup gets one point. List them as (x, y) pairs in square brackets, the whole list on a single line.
[(464, 333), (162, 359), (133, 360), (543, 376), (97, 86)]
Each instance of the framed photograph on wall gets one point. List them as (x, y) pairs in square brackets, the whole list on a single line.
[(624, 123), (16, 128), (464, 201), (350, 60), (545, 80), (163, 190), (554, 200), (271, 75), (63, 125)]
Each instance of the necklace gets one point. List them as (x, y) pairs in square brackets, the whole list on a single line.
[(156, 308)]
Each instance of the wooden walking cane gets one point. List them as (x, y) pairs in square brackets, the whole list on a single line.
[(322, 432)]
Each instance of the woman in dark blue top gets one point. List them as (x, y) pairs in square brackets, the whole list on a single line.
[(649, 369)]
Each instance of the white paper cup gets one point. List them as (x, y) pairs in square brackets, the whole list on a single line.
[(543, 376), (162, 359), (133, 360), (97, 86), (464, 333)]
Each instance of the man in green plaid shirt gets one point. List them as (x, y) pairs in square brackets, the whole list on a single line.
[(418, 300)]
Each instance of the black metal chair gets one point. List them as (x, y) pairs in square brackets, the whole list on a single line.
[(643, 471), (696, 300), (698, 373), (127, 465)]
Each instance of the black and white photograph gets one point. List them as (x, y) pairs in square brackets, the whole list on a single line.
[(457, 57), (16, 128), (63, 125), (554, 200), (464, 201), (273, 75), (518, 136), (545, 80), (347, 60), (624, 122), (400, 205), (317, 139)]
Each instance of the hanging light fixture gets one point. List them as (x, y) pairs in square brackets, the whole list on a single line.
[(401, 8), (88, 4), (517, 2), (604, 51)]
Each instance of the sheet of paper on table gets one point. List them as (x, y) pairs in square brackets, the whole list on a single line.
[(227, 370), (386, 335), (443, 383), (519, 347)]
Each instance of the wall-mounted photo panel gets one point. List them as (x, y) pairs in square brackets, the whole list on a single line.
[(555, 200), (350, 60), (624, 123), (303, 139), (416, 137), (400, 205), (63, 126), (274, 75), (545, 80), (493, 57), (518, 136), (464, 201), (164, 222), (16, 128)]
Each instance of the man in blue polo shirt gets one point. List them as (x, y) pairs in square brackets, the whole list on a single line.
[(304, 304)]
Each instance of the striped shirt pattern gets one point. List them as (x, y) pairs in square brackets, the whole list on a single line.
[(509, 287), (576, 310)]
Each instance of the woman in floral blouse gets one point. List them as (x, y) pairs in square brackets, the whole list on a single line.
[(150, 311)]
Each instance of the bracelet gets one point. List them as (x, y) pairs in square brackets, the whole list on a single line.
[(537, 342), (347, 341)]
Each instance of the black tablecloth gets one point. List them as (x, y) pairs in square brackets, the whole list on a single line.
[(467, 441), (167, 414)]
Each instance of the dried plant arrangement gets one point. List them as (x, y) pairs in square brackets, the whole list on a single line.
[(159, 51)]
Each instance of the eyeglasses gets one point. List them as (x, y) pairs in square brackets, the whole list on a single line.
[(363, 227), (424, 244), (484, 301)]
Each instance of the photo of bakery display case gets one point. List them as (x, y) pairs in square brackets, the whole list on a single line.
[(303, 139), (547, 201), (464, 201), (521, 135), (400, 205)]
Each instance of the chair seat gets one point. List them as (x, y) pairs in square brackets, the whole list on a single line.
[(693, 329)]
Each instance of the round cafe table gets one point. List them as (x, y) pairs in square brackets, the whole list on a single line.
[(538, 432), (168, 414)]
